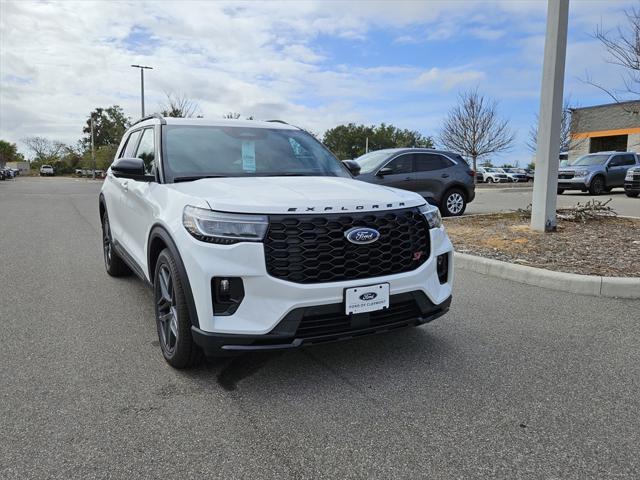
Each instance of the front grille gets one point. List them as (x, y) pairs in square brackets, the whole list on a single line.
[(565, 175), (313, 249)]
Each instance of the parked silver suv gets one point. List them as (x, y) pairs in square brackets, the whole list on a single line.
[(596, 172)]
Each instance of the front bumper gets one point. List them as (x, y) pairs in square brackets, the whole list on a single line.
[(324, 324), (577, 183), (268, 300), (632, 186)]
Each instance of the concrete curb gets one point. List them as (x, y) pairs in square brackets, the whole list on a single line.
[(615, 287)]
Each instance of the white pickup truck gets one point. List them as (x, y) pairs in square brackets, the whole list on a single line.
[(254, 236)]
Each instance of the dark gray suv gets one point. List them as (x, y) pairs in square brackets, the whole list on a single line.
[(442, 178)]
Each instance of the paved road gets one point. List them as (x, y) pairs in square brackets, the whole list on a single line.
[(496, 199), (516, 382)]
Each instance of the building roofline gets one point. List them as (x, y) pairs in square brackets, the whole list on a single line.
[(605, 105)]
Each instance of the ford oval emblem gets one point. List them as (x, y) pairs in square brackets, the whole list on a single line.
[(368, 296), (362, 235)]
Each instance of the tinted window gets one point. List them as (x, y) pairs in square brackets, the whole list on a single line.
[(402, 164), (131, 145), (146, 150), (196, 151), (627, 160), (424, 162), (588, 160)]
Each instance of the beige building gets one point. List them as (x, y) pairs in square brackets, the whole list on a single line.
[(601, 128)]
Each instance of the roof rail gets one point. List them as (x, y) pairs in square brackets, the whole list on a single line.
[(277, 121), (148, 117)]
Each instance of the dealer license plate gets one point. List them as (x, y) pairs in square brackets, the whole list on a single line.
[(366, 299)]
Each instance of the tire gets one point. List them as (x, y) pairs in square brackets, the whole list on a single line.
[(172, 315), (453, 203), (114, 265), (490, 180), (631, 194), (560, 191), (597, 186)]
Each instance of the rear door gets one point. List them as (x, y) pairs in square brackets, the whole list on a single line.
[(431, 175)]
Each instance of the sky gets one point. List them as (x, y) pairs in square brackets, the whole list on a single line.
[(315, 64)]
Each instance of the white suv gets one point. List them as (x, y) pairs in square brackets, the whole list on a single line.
[(254, 236)]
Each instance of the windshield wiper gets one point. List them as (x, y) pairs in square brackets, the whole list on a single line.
[(291, 174), (190, 179)]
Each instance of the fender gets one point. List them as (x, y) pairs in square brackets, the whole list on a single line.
[(160, 232)]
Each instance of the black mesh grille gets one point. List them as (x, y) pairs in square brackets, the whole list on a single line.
[(313, 249)]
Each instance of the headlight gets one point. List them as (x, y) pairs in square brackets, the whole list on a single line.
[(581, 173), (432, 214), (629, 175), (225, 228)]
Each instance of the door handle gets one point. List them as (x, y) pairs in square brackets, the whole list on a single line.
[(125, 186), (407, 179), (445, 175)]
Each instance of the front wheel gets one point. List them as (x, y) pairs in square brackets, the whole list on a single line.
[(597, 186), (631, 194), (560, 191), (453, 203), (114, 265), (172, 315)]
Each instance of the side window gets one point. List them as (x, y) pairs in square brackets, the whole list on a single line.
[(402, 164), (425, 162), (628, 159), (146, 150), (131, 145)]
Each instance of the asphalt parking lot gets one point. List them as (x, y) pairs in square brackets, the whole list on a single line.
[(515, 382), (497, 198)]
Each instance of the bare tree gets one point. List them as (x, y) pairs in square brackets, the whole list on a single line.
[(566, 142), (623, 46), (474, 129), (43, 149), (180, 106)]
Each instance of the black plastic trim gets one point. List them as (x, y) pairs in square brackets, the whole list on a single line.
[(158, 231), (216, 343), (131, 263)]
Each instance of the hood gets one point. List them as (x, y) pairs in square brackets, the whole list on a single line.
[(296, 195)]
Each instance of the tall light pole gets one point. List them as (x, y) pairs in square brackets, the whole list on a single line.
[(142, 69), (545, 186), (93, 151)]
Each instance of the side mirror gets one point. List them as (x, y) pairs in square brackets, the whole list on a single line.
[(352, 166), (132, 168), (384, 171)]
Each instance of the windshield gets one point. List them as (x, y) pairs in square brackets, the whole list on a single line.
[(193, 152), (371, 161), (587, 160)]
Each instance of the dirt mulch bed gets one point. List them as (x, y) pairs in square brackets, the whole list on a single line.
[(608, 246)]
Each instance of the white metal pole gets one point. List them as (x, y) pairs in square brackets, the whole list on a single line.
[(545, 186), (366, 145)]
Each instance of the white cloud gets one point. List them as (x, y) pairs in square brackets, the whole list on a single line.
[(447, 79), (59, 59)]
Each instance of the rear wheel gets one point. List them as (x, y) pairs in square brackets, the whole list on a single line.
[(597, 186), (114, 265), (631, 194), (453, 203), (490, 180), (172, 315), (560, 191)]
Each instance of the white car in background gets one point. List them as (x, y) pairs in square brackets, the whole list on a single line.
[(46, 171), (491, 175)]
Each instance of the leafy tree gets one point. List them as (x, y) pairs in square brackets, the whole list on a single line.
[(473, 128), (531, 166), (349, 141), (9, 153), (109, 126), (487, 164)]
